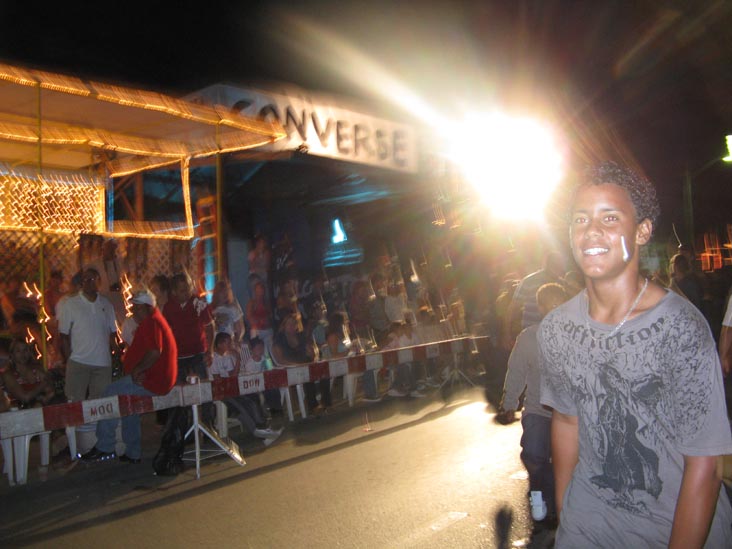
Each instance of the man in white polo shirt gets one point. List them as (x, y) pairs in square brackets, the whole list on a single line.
[(87, 328)]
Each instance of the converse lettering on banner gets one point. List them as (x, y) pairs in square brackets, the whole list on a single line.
[(253, 383), (322, 126), (100, 408)]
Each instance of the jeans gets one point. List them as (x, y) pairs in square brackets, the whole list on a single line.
[(248, 411), (131, 432), (536, 453)]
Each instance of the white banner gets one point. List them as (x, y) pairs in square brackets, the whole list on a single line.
[(322, 127)]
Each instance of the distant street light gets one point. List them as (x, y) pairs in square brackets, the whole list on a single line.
[(688, 196)]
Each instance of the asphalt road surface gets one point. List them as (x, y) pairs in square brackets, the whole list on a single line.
[(400, 473)]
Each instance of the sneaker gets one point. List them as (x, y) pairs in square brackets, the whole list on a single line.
[(538, 506), (262, 433), (96, 455), (395, 393), (127, 459), (274, 435), (371, 399), (417, 394), (431, 382)]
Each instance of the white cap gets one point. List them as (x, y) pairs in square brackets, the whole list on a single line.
[(143, 297)]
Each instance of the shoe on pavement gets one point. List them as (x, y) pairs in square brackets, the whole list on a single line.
[(262, 433), (127, 459), (417, 394), (538, 506), (273, 436), (96, 454), (395, 393)]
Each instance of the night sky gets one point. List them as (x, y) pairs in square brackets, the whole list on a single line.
[(648, 82)]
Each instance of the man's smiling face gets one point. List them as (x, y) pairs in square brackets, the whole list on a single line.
[(604, 233)]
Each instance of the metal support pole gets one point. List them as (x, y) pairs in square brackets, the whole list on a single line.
[(219, 209), (688, 209), (42, 238)]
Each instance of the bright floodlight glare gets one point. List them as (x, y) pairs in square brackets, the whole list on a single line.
[(728, 158), (512, 162)]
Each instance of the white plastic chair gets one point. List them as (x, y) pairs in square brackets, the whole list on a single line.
[(21, 447)]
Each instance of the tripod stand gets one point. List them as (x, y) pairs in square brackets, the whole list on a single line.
[(226, 445), (454, 373)]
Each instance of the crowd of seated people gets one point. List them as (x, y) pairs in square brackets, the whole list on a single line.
[(375, 316)]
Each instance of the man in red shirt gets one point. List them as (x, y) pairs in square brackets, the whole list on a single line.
[(190, 319), (151, 368)]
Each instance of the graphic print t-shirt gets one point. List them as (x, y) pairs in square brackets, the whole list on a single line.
[(644, 397)]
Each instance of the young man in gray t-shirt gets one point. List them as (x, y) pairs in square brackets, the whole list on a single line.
[(632, 373)]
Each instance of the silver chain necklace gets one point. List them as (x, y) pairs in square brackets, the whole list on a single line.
[(625, 318)]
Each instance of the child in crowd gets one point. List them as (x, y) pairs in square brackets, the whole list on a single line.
[(257, 361), (226, 363)]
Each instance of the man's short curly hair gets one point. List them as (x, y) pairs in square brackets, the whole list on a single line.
[(641, 191)]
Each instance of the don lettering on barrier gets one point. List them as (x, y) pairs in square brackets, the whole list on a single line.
[(253, 383), (100, 408)]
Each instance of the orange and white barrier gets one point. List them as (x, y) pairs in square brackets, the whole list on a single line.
[(38, 420), (17, 427)]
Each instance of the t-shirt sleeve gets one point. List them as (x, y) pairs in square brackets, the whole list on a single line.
[(555, 386), (64, 321), (699, 411)]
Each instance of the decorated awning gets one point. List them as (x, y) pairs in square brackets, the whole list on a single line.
[(58, 133), (75, 119)]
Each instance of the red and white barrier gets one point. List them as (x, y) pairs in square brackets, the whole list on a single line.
[(25, 422)]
